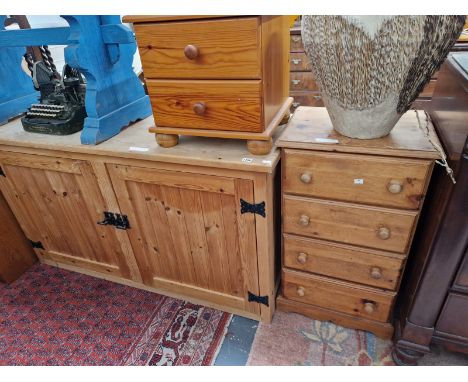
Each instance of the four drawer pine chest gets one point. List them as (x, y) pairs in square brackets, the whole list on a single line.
[(349, 211)]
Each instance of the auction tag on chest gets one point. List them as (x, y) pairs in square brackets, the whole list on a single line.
[(139, 149), (358, 181), (326, 140), (247, 160)]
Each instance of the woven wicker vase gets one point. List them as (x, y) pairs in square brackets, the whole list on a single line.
[(371, 68)]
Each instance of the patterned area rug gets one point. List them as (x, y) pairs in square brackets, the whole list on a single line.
[(55, 317), (292, 339)]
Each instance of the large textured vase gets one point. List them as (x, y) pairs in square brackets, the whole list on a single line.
[(371, 68)]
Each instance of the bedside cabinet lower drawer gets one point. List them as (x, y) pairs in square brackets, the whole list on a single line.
[(372, 227), (336, 295), (364, 266), (203, 104)]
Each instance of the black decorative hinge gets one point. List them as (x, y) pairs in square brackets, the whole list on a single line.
[(117, 220), (258, 209), (1, 172), (260, 299), (36, 244)]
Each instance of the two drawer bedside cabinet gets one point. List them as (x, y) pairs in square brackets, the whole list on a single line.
[(216, 76), (350, 208)]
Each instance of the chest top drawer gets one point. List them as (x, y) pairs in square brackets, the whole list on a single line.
[(210, 49), (366, 179), (372, 227)]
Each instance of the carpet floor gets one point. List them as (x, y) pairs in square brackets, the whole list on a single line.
[(292, 339), (55, 317)]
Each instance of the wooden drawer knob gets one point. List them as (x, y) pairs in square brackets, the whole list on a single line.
[(191, 52), (383, 233), (376, 273), (369, 307), (394, 186), (300, 291), (199, 108), (306, 178), (304, 220), (302, 257)]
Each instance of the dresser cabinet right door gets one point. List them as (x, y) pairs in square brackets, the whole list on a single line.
[(189, 235)]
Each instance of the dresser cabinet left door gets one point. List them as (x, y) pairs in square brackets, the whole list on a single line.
[(58, 204)]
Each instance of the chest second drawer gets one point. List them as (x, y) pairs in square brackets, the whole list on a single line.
[(372, 227), (364, 179)]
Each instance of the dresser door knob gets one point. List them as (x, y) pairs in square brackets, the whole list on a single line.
[(376, 273), (300, 291), (306, 178), (304, 220), (369, 307), (394, 186), (384, 233), (191, 52), (199, 108), (302, 257)]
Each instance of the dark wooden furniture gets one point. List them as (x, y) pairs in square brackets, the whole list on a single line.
[(302, 86), (349, 208), (16, 253), (434, 298)]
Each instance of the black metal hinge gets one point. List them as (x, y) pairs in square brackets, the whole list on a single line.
[(258, 208), (36, 244), (1, 172), (117, 220), (260, 299)]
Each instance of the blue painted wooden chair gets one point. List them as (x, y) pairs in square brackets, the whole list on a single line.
[(102, 49)]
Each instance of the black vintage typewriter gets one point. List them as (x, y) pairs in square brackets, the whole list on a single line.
[(61, 110)]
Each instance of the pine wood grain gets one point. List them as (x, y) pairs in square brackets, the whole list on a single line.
[(16, 252), (310, 125), (337, 295), (349, 223), (343, 262), (380, 329), (228, 48), (361, 179), (230, 105), (186, 232), (61, 209), (211, 154), (275, 64)]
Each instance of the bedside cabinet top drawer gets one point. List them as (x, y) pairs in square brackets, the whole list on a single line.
[(362, 179), (222, 48), (371, 227), (336, 295), (374, 268)]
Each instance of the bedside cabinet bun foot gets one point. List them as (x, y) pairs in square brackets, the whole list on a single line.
[(260, 147), (167, 140)]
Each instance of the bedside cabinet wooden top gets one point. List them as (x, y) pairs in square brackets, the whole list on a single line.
[(311, 128), (135, 142)]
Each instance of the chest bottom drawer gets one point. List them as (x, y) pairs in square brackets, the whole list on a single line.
[(336, 295), (364, 266)]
